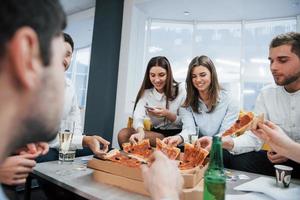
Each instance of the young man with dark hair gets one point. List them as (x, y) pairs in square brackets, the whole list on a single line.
[(71, 111), (31, 72)]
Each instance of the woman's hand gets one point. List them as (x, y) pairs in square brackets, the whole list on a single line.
[(173, 140), (137, 137), (158, 112), (162, 112)]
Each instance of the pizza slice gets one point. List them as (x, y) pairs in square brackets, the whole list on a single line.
[(141, 149), (122, 159), (246, 121), (171, 152), (192, 157)]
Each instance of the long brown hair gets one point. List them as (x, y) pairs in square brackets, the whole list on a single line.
[(213, 90), (171, 87)]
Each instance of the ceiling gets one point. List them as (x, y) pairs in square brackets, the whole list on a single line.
[(74, 6), (219, 10)]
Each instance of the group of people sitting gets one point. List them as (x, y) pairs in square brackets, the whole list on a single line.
[(34, 55)]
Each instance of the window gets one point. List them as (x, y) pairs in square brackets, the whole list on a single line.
[(173, 40), (239, 51), (256, 71), (78, 73)]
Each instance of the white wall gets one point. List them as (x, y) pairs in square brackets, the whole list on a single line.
[(131, 67)]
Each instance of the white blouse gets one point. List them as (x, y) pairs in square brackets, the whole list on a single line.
[(155, 99)]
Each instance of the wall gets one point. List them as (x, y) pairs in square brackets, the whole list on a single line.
[(131, 66), (103, 76)]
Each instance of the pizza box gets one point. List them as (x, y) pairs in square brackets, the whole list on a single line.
[(191, 177), (138, 186), (116, 169)]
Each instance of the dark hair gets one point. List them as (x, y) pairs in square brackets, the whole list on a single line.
[(291, 38), (69, 40), (171, 87), (45, 17), (213, 90)]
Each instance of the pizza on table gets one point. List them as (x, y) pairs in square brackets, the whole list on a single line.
[(134, 155)]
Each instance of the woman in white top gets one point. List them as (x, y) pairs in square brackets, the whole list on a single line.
[(159, 99), (208, 109)]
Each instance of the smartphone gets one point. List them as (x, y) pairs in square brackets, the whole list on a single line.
[(149, 107)]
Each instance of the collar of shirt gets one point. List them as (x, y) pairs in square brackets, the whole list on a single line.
[(290, 93), (158, 96)]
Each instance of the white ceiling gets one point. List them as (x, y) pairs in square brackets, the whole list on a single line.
[(81, 16), (74, 6), (219, 10)]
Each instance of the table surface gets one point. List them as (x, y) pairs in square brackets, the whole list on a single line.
[(77, 178)]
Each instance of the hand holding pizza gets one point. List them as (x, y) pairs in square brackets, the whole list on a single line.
[(204, 142), (274, 136), (137, 137), (162, 178), (173, 140)]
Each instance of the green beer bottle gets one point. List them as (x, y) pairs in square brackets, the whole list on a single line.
[(214, 176)]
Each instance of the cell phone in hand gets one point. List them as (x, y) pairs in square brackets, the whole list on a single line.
[(149, 107)]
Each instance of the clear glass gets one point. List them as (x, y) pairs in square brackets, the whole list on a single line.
[(66, 152)]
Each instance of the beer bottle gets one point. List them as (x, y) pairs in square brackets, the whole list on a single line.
[(214, 176)]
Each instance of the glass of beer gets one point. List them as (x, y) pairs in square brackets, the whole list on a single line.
[(66, 152), (147, 124)]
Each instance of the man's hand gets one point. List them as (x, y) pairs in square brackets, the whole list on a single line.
[(227, 143), (39, 148), (162, 179), (173, 140), (137, 137), (15, 169), (204, 142), (274, 136), (276, 158), (94, 142)]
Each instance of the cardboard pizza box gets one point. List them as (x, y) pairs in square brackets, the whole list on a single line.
[(120, 181), (191, 177), (193, 193), (116, 169), (138, 186)]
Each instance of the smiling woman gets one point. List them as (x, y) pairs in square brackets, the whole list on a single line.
[(158, 99), (208, 109)]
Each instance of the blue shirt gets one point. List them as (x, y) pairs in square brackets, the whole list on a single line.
[(209, 123)]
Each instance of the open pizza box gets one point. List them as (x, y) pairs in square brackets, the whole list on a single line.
[(191, 177), (137, 186)]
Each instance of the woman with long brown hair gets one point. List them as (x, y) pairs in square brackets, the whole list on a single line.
[(207, 110), (159, 99)]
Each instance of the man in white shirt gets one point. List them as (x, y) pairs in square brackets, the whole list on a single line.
[(71, 112), (280, 104)]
